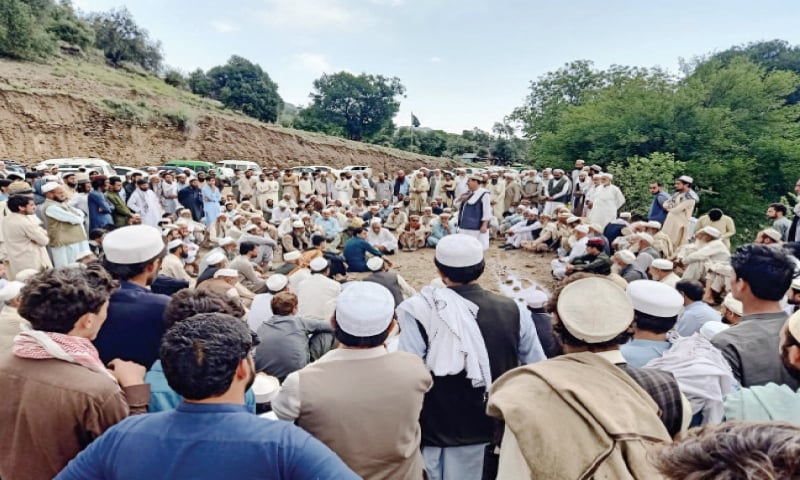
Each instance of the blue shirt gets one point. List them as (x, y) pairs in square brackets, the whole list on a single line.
[(638, 352), (205, 441), (99, 210), (162, 397), (329, 225), (657, 211), (134, 325), (694, 316), (355, 254)]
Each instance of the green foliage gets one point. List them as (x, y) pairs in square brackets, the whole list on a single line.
[(122, 40), (242, 85), (179, 118), (635, 175), (68, 27), (128, 112), (199, 84), (21, 33), (175, 78), (362, 106)]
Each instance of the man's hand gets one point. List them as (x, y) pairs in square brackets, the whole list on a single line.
[(483, 228), (127, 373)]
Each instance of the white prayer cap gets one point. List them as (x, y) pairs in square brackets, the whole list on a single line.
[(290, 256), (573, 219), (10, 290), (265, 387), (133, 244), (250, 227), (214, 258), (534, 297), (686, 179), (582, 229), (597, 228), (174, 244), (662, 264), (83, 255), (520, 207), (646, 237), (710, 329), (794, 325), (427, 208), (534, 211), (375, 264), (238, 217), (580, 302), (654, 224), (376, 220), (459, 250), (25, 275), (277, 282), (655, 298), (795, 284), (558, 170), (50, 186), (773, 234), (626, 256), (295, 217), (283, 204), (365, 309), (298, 224), (625, 215), (226, 241), (226, 272), (397, 205), (711, 232), (318, 264), (733, 305)]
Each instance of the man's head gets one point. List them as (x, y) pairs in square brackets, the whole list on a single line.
[(776, 211), (459, 259), (683, 183), (100, 183), (68, 300), (54, 191), (581, 231), (70, 179), (364, 315), (142, 185), (22, 204), (207, 355), (793, 295), (284, 303), (189, 302), (760, 273), (623, 258), (692, 291), (715, 214), (655, 305), (732, 310), (655, 187), (660, 268), (595, 246), (177, 248), (134, 252)]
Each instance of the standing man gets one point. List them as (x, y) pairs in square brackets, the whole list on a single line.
[(557, 191), (468, 337), (64, 226), (762, 275), (475, 211), (606, 202), (383, 189), (135, 321), (419, 192), (145, 203), (497, 189), (122, 214), (777, 213), (356, 384), (577, 195), (679, 211), (100, 209), (169, 194), (794, 230), (657, 211), (25, 239), (461, 182), (191, 198)]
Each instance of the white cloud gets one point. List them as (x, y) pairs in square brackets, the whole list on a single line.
[(313, 62), (224, 27), (435, 60), (311, 15), (390, 3)]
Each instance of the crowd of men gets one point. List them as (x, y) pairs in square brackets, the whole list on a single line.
[(163, 328)]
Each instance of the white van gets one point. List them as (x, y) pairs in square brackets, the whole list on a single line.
[(240, 165), (74, 164)]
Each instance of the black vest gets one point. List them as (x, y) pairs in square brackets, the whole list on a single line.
[(470, 216), (454, 413), (388, 280)]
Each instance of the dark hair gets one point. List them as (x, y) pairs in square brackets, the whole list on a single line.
[(732, 450), (317, 239), (246, 247), (114, 180), (190, 302), (97, 233), (16, 202), (83, 187), (461, 274), (122, 271), (200, 354), (359, 342), (767, 270), (692, 289), (283, 303), (357, 231), (652, 323), (98, 181), (793, 248), (5, 182), (55, 299), (172, 250), (778, 207), (142, 181), (715, 214)]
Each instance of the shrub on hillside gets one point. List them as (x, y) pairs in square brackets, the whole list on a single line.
[(21, 34)]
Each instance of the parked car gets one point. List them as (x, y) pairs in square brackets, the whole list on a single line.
[(14, 167), (201, 166), (76, 163), (123, 171), (239, 166), (362, 169), (315, 168)]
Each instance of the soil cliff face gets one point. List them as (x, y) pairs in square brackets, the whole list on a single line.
[(37, 126)]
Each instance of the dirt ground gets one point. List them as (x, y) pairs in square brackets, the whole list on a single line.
[(507, 272)]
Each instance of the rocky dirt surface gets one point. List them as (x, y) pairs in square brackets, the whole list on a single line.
[(83, 110)]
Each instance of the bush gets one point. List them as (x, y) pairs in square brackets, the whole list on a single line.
[(179, 118), (21, 33), (176, 79), (122, 40), (126, 111), (635, 175)]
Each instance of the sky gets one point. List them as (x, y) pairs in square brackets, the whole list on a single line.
[(464, 63)]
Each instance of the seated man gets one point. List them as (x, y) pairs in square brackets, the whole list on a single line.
[(625, 260), (524, 231), (356, 249), (253, 280), (696, 312), (381, 238), (712, 252), (513, 219), (442, 228), (413, 235), (661, 271), (578, 249), (289, 342), (397, 220), (207, 360), (548, 239), (331, 228), (594, 261)]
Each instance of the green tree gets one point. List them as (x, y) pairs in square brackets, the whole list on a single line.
[(361, 105), (122, 40), (199, 84), (22, 35), (635, 174), (174, 77), (243, 85), (66, 25)]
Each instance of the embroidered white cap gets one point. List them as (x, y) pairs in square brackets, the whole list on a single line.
[(226, 241), (534, 297), (318, 264), (794, 325), (626, 256), (375, 264), (290, 256), (459, 250), (133, 244), (711, 232), (654, 298), (10, 290), (594, 310), (226, 272), (174, 244), (215, 258), (277, 282), (364, 309), (50, 186), (686, 179), (733, 305), (662, 264)]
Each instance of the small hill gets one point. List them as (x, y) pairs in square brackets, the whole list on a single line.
[(71, 108)]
